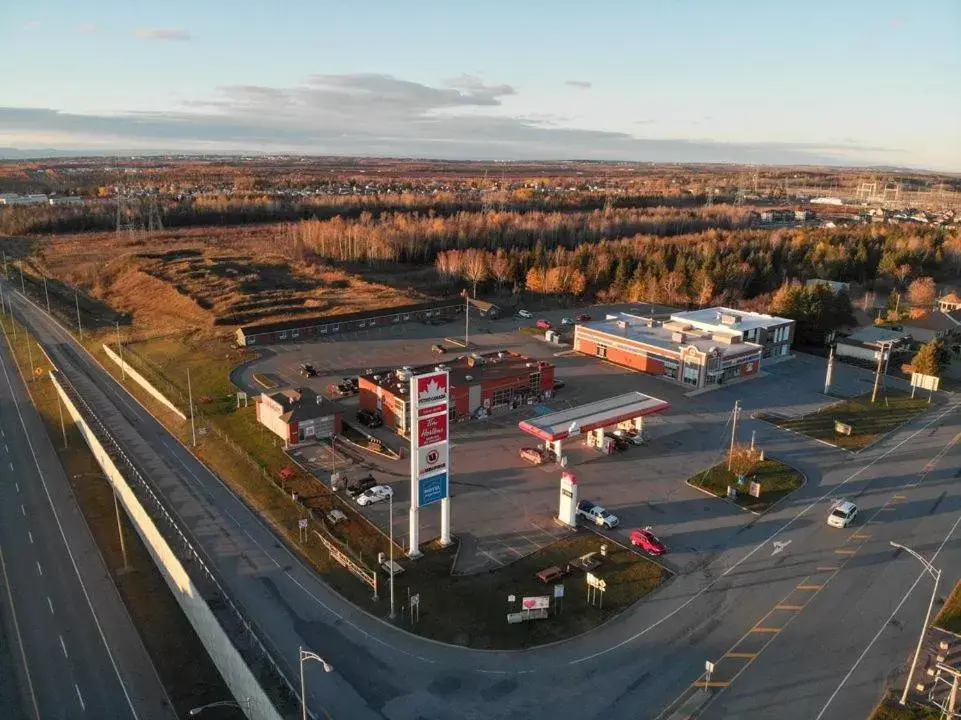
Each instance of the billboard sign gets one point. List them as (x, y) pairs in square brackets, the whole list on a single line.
[(430, 489), (432, 430), (429, 453), (925, 382), (536, 603)]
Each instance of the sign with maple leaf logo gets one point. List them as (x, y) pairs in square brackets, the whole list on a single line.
[(432, 389)]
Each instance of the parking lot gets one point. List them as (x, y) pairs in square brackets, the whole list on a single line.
[(502, 508)]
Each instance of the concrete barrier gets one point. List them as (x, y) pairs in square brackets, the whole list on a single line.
[(143, 382), (235, 671)]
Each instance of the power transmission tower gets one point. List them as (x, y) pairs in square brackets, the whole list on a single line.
[(154, 221)]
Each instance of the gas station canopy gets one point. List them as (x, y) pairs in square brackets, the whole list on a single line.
[(592, 416)]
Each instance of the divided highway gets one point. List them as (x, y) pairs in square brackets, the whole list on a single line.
[(810, 619), (70, 642)]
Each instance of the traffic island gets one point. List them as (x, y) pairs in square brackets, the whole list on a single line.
[(473, 610), (856, 423), (767, 483), (890, 709)]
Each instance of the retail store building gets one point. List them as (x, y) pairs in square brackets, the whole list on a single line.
[(480, 384), (699, 349)]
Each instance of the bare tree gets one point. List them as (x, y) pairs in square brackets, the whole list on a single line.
[(476, 267), (922, 293)]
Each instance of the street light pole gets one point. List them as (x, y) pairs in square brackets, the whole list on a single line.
[(76, 301), (116, 507), (46, 294), (466, 321), (936, 574), (304, 656), (730, 455)]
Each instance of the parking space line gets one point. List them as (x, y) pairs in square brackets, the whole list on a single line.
[(742, 655), (810, 587), (845, 551), (763, 629), (788, 607), (828, 568), (861, 536)]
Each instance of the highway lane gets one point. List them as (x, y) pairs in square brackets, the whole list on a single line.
[(630, 668), (77, 651)]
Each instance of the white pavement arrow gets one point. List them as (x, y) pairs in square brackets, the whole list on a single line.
[(779, 545)]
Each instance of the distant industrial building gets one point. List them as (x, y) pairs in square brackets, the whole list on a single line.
[(315, 328), (297, 415), (697, 348), (480, 384)]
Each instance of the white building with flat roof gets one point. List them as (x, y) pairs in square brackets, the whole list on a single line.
[(774, 334)]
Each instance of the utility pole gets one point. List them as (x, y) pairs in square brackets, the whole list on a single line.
[(123, 544), (23, 285), (46, 294), (190, 397), (391, 563), (123, 371), (76, 301), (466, 321), (29, 358), (737, 411), (63, 428), (5, 273), (877, 375)]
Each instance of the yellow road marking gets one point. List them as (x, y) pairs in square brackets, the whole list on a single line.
[(810, 587), (745, 655), (759, 629), (861, 536), (828, 568), (844, 551), (788, 607), (713, 683), (900, 497)]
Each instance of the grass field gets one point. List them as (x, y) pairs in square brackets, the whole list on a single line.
[(869, 421), (889, 709), (777, 481), (182, 663), (950, 616)]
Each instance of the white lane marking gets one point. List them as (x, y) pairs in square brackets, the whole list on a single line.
[(39, 569), (5, 448), (16, 628), (30, 535), (50, 604), (804, 511), (780, 545), (63, 646), (63, 536), (79, 697), (11, 467), (23, 510), (17, 486), (886, 623)]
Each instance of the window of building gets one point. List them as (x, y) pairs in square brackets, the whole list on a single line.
[(691, 374), (501, 397), (535, 383), (283, 335), (252, 340), (295, 333), (601, 351)]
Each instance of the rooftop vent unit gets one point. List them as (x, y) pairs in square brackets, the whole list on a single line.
[(678, 337), (468, 378), (623, 324), (730, 319), (377, 378)]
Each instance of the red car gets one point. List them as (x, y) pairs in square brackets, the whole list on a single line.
[(648, 542), (543, 325), (583, 318)]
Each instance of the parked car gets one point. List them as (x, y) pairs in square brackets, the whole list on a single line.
[(356, 487), (566, 321), (631, 436), (544, 324), (308, 370), (525, 314), (370, 418), (597, 514), (583, 317), (648, 542), (557, 384), (438, 349), (842, 514), (375, 494), (620, 442), (534, 456)]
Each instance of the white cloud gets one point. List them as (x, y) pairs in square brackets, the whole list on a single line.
[(579, 84), (163, 34), (378, 114)]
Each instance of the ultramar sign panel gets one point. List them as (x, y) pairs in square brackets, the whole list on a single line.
[(429, 443)]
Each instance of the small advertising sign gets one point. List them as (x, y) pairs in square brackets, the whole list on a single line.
[(431, 430), (558, 591), (755, 490), (431, 489), (536, 603), (433, 459)]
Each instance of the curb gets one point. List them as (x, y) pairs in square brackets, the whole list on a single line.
[(755, 513)]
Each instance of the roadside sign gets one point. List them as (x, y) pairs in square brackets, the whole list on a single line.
[(511, 598), (925, 382), (709, 666), (558, 591), (755, 489), (842, 428), (539, 602), (415, 600), (302, 524)]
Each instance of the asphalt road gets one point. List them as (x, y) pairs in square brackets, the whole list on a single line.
[(72, 646), (821, 650)]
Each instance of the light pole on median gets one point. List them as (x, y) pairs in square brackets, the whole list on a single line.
[(306, 655), (390, 498), (936, 574), (123, 371), (116, 506), (221, 703)]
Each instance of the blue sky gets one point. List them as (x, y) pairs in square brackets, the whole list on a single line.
[(846, 82)]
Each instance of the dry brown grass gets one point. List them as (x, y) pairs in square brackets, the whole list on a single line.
[(200, 278)]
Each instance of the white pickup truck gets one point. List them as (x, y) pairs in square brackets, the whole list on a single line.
[(597, 514)]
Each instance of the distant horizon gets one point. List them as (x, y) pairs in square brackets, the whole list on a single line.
[(23, 155)]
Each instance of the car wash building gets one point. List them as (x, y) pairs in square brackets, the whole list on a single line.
[(672, 348)]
